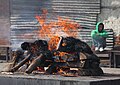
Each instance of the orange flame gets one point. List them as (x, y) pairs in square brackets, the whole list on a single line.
[(52, 44), (61, 27)]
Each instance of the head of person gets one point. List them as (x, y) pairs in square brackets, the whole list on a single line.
[(100, 27)]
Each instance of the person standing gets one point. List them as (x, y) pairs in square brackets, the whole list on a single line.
[(99, 36)]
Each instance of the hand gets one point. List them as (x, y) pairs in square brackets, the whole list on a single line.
[(97, 34)]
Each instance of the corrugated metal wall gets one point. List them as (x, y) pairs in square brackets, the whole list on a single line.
[(4, 23), (24, 26)]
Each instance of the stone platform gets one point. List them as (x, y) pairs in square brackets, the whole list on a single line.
[(111, 77)]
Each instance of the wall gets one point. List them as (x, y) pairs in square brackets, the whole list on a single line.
[(4, 22), (25, 27), (110, 10), (110, 14)]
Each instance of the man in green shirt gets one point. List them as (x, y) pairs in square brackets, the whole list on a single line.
[(99, 37)]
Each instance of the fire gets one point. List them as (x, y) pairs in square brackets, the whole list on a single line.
[(54, 30), (41, 19), (61, 27), (68, 26), (52, 44)]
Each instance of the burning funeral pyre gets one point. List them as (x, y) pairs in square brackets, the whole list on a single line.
[(59, 57), (58, 49)]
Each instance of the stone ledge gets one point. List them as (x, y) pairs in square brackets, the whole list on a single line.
[(111, 77), (19, 79)]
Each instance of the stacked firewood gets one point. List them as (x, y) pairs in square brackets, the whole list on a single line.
[(59, 57)]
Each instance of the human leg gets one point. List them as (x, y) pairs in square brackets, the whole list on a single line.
[(99, 42), (102, 42), (95, 44)]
